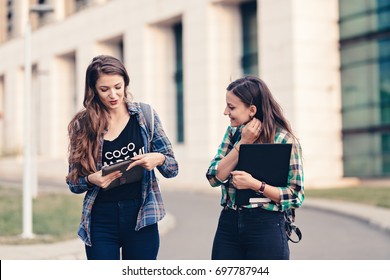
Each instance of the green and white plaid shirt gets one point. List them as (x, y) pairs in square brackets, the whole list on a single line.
[(291, 196)]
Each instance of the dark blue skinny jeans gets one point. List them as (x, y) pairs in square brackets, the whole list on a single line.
[(250, 234), (112, 232)]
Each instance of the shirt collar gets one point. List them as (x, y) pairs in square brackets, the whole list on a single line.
[(133, 107)]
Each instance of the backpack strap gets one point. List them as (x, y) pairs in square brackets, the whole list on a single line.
[(291, 227), (149, 117)]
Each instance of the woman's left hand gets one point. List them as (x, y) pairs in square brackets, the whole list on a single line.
[(243, 180), (148, 161)]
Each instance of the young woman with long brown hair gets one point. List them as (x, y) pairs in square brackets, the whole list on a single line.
[(254, 230), (111, 128)]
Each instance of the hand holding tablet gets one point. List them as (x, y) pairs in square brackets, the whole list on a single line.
[(128, 176)]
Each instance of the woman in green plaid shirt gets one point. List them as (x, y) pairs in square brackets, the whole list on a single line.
[(255, 230)]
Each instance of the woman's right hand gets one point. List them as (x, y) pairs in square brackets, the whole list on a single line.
[(251, 131), (98, 179)]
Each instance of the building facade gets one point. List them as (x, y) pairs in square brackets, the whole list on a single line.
[(181, 55), (365, 72)]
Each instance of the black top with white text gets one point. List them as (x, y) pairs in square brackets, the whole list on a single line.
[(127, 145)]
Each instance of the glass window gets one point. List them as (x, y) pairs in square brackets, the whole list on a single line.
[(384, 17), (249, 59), (385, 85), (41, 15), (363, 17), (365, 79), (178, 34), (362, 155), (386, 153), (358, 7), (81, 4), (358, 87), (356, 25), (10, 19)]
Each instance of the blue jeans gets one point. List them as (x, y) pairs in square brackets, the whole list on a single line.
[(250, 234), (112, 228)]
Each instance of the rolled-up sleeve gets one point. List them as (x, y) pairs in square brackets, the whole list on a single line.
[(80, 186), (223, 149), (292, 196), (161, 144)]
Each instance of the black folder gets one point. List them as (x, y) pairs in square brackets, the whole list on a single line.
[(266, 162)]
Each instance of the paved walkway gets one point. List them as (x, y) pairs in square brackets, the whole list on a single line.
[(74, 249)]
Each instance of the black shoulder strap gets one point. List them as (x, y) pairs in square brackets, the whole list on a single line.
[(291, 226), (149, 117)]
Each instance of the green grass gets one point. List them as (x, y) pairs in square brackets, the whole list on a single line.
[(56, 216), (377, 196)]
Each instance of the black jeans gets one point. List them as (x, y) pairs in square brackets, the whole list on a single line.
[(250, 234), (112, 228)]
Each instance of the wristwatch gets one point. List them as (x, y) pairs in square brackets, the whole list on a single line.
[(262, 188)]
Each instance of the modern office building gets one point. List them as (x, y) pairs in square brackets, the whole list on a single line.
[(365, 77), (326, 62)]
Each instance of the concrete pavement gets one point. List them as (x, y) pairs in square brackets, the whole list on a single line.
[(74, 249)]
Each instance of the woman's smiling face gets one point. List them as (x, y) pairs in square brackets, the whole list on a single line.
[(238, 111)]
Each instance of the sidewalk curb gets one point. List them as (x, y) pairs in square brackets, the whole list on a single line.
[(376, 216)]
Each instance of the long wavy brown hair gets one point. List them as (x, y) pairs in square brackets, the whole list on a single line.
[(253, 91), (87, 126)]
